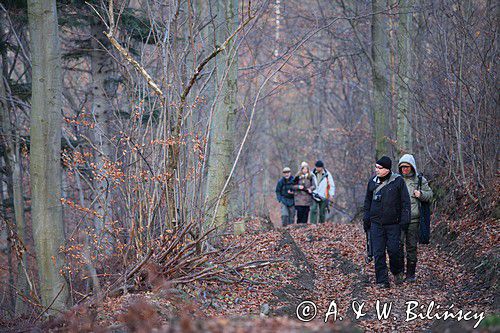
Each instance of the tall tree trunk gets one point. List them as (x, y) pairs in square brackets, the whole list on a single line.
[(15, 191), (45, 153), (102, 91), (466, 12), (222, 127), (277, 13), (404, 135), (416, 72), (267, 189), (380, 100), (12, 158), (7, 250)]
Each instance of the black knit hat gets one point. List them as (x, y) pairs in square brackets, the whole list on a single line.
[(319, 164), (385, 162)]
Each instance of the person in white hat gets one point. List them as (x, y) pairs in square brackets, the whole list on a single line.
[(305, 183)]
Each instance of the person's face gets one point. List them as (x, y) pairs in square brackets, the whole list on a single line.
[(320, 169), (305, 170), (381, 171), (405, 169), (287, 174)]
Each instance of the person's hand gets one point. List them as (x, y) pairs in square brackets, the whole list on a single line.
[(290, 192), (309, 190), (301, 187), (417, 193)]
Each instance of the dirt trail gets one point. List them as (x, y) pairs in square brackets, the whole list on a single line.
[(303, 286), (335, 253), (322, 264)]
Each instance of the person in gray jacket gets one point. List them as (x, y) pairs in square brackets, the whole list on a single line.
[(409, 238), (325, 190)]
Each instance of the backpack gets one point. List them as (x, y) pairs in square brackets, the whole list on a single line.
[(425, 217)]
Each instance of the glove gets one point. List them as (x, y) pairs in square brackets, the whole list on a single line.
[(366, 225), (405, 227)]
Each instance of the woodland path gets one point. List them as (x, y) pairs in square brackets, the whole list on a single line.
[(334, 256), (328, 262), (319, 263)]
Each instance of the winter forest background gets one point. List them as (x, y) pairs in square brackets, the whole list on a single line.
[(137, 136)]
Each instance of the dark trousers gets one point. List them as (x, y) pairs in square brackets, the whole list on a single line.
[(386, 237), (302, 213), (409, 240)]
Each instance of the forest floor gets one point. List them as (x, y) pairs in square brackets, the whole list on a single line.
[(318, 263)]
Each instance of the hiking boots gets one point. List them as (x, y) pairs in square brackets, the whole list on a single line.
[(384, 285), (399, 278), (410, 272), (410, 278)]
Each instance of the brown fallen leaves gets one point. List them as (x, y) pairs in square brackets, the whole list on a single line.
[(335, 252)]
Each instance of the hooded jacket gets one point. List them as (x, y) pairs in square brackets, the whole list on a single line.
[(412, 184), (325, 184), (389, 205)]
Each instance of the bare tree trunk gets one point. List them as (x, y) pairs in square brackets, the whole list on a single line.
[(416, 72), (266, 178), (404, 135), (222, 128), (45, 153), (6, 234), (277, 13), (15, 189), (380, 100), (102, 91), (467, 7)]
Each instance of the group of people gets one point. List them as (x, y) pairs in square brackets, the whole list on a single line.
[(392, 210), (392, 217), (306, 192)]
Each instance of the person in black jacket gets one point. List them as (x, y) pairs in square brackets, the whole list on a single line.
[(284, 194), (387, 211)]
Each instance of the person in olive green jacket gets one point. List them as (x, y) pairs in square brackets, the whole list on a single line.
[(409, 237)]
